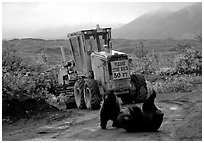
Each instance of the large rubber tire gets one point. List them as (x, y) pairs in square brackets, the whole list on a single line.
[(92, 94), (138, 90), (79, 94), (134, 91)]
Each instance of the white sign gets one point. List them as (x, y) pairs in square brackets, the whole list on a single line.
[(120, 69)]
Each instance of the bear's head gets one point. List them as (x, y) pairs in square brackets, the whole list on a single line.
[(109, 97)]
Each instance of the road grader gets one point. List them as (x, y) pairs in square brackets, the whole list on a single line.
[(96, 68)]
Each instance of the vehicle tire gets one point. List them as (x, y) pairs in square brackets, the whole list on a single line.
[(134, 87), (92, 94), (138, 90), (79, 94), (142, 88)]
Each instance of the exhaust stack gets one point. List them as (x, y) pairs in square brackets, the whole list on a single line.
[(63, 54)]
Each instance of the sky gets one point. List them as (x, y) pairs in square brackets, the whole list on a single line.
[(36, 19)]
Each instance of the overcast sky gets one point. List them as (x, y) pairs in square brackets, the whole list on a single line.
[(21, 19)]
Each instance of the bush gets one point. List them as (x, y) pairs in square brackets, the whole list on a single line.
[(147, 64), (189, 60), (23, 80), (23, 77), (182, 83), (183, 77)]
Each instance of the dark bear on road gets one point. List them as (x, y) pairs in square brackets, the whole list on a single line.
[(130, 119), (133, 119), (110, 109)]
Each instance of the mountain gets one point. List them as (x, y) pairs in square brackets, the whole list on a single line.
[(161, 25)]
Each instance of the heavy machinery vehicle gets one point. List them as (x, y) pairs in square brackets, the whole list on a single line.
[(97, 68)]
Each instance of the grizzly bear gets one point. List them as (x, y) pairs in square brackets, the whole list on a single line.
[(133, 119), (110, 109), (130, 119)]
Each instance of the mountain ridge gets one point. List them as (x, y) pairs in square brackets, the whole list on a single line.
[(179, 25)]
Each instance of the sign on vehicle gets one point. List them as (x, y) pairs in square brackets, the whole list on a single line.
[(120, 69)]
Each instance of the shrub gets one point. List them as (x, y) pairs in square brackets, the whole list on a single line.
[(22, 76), (24, 80), (147, 64), (183, 83), (189, 60)]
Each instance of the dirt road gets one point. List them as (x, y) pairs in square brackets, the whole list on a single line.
[(182, 121)]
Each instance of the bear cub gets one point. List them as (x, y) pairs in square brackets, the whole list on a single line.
[(110, 109)]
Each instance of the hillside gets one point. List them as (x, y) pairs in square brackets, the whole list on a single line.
[(161, 25), (33, 47)]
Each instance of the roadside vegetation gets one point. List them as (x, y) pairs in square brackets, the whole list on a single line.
[(185, 73), (26, 83)]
